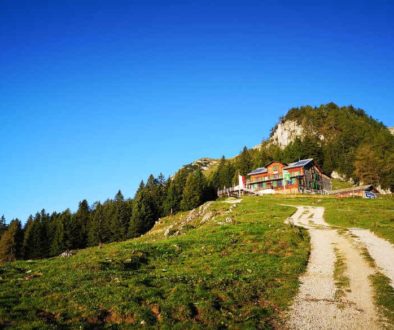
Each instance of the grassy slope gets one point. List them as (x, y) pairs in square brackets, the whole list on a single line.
[(376, 215), (338, 184), (240, 275)]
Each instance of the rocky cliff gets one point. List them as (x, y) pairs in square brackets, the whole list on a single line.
[(286, 132)]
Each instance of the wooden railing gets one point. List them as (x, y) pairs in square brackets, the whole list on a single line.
[(232, 191)]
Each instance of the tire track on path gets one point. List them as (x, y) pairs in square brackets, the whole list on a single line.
[(317, 305)]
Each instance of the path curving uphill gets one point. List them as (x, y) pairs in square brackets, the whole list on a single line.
[(335, 291)]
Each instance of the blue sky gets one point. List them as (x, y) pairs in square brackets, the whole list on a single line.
[(96, 95)]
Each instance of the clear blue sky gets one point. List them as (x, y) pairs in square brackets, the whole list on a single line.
[(96, 95)]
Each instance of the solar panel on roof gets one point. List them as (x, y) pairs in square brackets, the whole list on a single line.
[(301, 162), (258, 170)]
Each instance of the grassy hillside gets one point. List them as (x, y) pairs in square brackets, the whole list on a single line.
[(223, 265), (342, 139), (339, 184), (218, 267), (376, 214)]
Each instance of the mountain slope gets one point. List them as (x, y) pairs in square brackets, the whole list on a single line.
[(349, 139), (344, 141), (223, 265), (227, 266)]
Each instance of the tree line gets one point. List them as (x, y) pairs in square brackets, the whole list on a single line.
[(46, 235), (354, 144)]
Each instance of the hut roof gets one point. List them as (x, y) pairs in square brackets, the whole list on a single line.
[(259, 170), (300, 163)]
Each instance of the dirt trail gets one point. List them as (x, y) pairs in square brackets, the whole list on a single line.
[(380, 250), (323, 303)]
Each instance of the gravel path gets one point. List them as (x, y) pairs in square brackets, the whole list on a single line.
[(379, 249), (319, 304)]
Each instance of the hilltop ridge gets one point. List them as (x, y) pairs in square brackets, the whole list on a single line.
[(344, 140)]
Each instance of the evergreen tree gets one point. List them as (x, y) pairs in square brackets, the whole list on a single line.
[(28, 237), (216, 179), (123, 215), (96, 230), (44, 239), (57, 232), (155, 187), (162, 187), (3, 225), (117, 226), (274, 153), (11, 242), (223, 176), (145, 211), (35, 243), (244, 162), (309, 147), (329, 158), (173, 198), (261, 157), (79, 227), (227, 174), (67, 220), (172, 201), (194, 193), (110, 227)]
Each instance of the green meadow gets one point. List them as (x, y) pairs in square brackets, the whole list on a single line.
[(242, 274), (374, 214), (236, 268)]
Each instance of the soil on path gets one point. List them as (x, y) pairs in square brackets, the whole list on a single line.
[(325, 301), (379, 249)]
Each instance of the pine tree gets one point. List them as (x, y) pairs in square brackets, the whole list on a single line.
[(67, 221), (27, 248), (79, 228), (44, 239), (57, 232), (294, 151), (173, 198), (110, 229), (216, 179), (155, 189), (123, 216), (113, 211), (194, 193), (3, 225), (244, 162), (35, 242), (228, 174), (94, 235), (38, 239), (11, 242), (145, 211)]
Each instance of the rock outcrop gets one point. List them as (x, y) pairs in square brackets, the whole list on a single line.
[(205, 163), (286, 132)]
